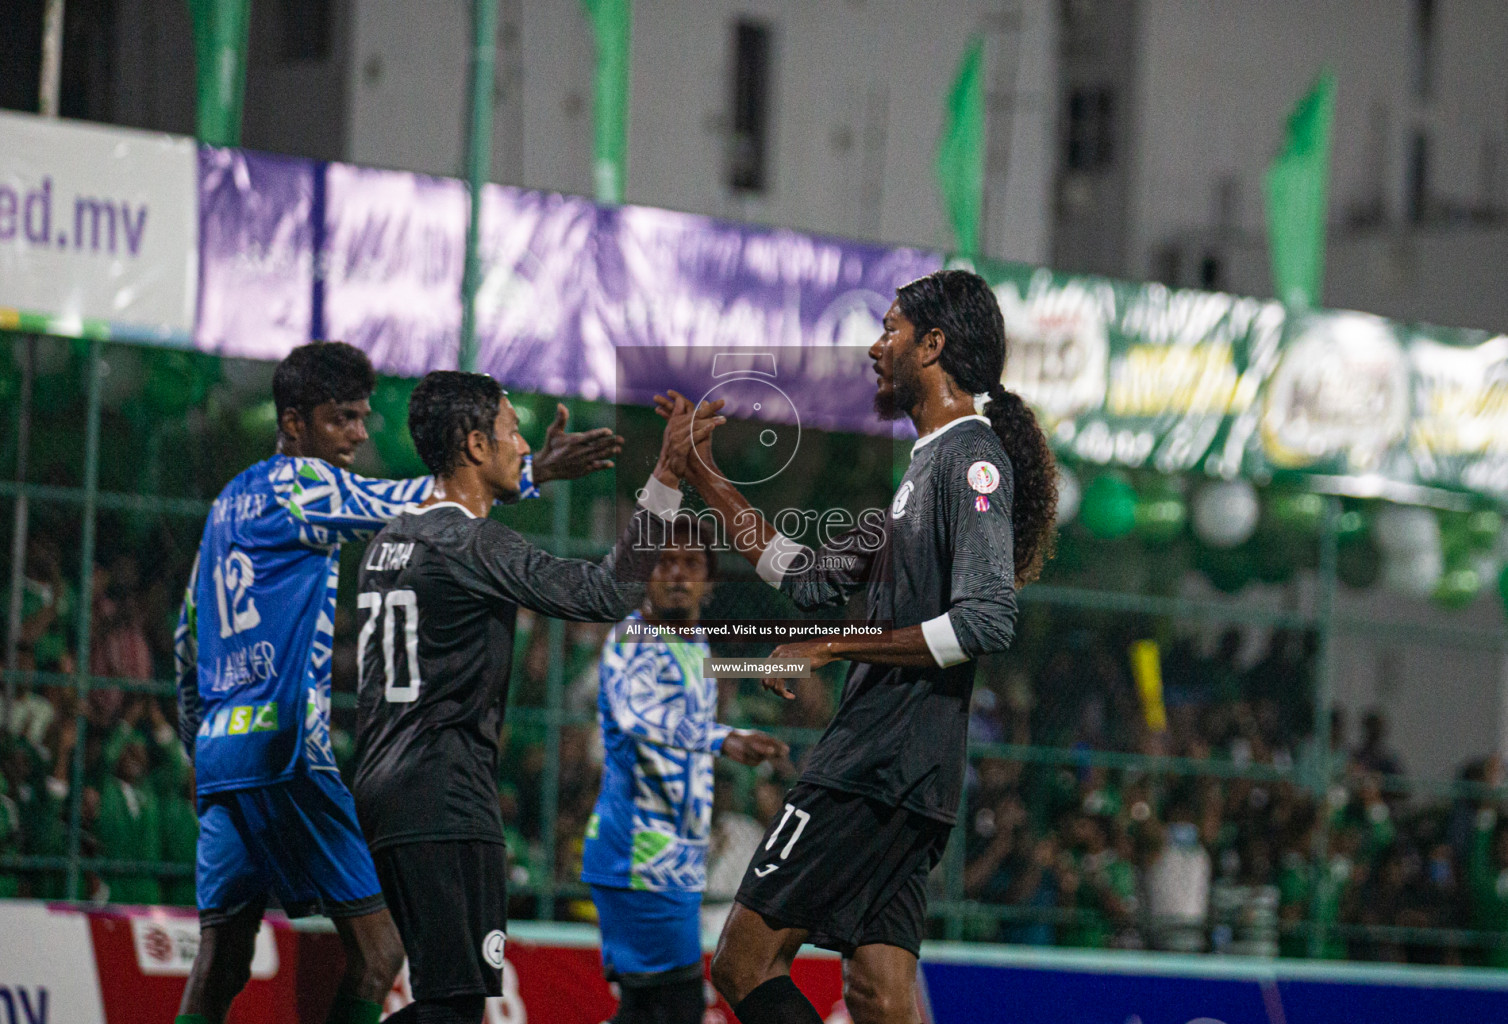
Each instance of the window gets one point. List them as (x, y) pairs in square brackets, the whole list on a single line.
[(1424, 48), (1091, 128), (748, 156), (1418, 178), (305, 30)]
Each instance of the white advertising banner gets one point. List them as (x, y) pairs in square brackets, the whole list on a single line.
[(167, 944), (99, 230), (47, 969)]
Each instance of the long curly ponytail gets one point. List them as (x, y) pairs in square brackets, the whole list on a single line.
[(1034, 510), (961, 305)]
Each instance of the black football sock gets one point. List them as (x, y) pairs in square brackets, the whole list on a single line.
[(681, 1002), (777, 1001), (455, 1010)]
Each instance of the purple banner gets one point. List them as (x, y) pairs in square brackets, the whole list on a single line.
[(395, 247), (294, 249), (256, 253)]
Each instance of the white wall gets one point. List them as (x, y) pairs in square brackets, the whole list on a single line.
[(1217, 79), (1444, 704), (858, 93)]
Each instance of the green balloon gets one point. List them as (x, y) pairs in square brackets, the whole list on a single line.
[(259, 420), (1160, 520), (1298, 513), (1108, 508), (1351, 526), (176, 381), (1358, 564), (1277, 556), (1229, 570), (1483, 527), (1458, 586)]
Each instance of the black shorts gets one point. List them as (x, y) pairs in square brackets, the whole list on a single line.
[(850, 870), (450, 902)]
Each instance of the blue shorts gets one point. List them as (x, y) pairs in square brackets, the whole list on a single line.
[(296, 840), (649, 938)]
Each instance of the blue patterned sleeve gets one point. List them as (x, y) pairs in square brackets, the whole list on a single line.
[(329, 505), (649, 703)]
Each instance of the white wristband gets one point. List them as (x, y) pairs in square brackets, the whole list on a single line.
[(942, 641), (660, 498)]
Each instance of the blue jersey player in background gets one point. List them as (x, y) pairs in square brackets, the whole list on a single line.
[(253, 654), (646, 848)]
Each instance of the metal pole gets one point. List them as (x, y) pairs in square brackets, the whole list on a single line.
[(86, 613), (955, 859), (20, 525), (478, 164), (1324, 704), (549, 788), (52, 59)]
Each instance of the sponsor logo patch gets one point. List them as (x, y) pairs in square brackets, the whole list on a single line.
[(981, 503), (898, 506), (984, 477), (492, 948)]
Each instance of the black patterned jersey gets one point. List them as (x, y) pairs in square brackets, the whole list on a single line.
[(945, 562)]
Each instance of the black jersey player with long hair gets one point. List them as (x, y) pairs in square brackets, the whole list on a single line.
[(845, 865)]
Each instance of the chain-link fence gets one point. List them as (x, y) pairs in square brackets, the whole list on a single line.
[(1145, 766)]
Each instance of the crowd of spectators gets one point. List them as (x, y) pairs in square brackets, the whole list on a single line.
[(137, 784), (1061, 844), (1306, 859)]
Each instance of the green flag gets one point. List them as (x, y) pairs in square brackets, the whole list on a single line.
[(960, 154), (1296, 185), (220, 28), (611, 22)]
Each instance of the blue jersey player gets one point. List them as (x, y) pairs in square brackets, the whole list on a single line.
[(646, 848), (253, 656)]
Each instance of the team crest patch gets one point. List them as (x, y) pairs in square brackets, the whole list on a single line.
[(984, 477), (981, 503), (492, 948), (898, 506)]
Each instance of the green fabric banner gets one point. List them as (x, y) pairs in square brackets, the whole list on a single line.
[(220, 33), (611, 24), (1295, 186), (1147, 377), (961, 151)]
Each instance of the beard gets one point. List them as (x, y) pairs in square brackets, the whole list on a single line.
[(673, 613), (905, 391)]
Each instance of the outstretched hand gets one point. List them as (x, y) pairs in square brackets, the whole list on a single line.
[(570, 456), (685, 428), (752, 748), (818, 652), (700, 459)]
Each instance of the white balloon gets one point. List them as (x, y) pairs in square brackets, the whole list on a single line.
[(1226, 513), (1415, 573), (1069, 494), (1487, 565), (1401, 529), (122, 374)]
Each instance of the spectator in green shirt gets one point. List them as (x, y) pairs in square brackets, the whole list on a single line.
[(1487, 879), (1103, 886), (128, 827), (179, 837), (10, 838)]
